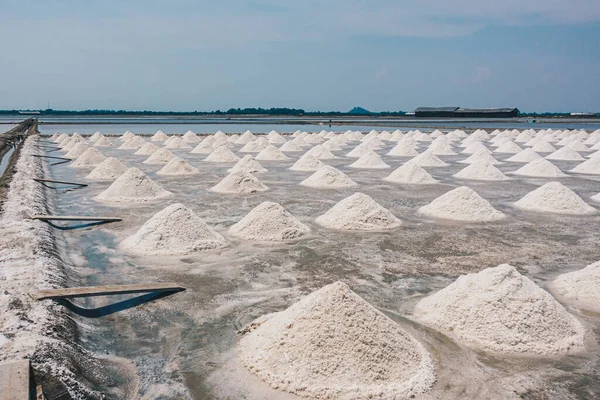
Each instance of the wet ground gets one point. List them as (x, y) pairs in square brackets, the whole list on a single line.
[(182, 346)]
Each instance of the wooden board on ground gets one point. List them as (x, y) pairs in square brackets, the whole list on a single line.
[(15, 380), (74, 218), (55, 181), (106, 290)]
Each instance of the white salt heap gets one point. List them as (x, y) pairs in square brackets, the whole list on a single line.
[(159, 136), (147, 149), (482, 171), (132, 143), (290, 147), (403, 150), (241, 182), (94, 138), (321, 153), (160, 157), (502, 311), (332, 344), (190, 137), (127, 135), (358, 151), (248, 164), (271, 153), (103, 142), (480, 157), (328, 177), (256, 146), (461, 204), (178, 166), (90, 158), (133, 186), (358, 212), (543, 147), (176, 230), (580, 288), (553, 197), (428, 159), (176, 143), (222, 154), (565, 154), (307, 163), (508, 148), (369, 160), (540, 168), (77, 150), (108, 170), (475, 147), (591, 166), (269, 222), (526, 155), (441, 147), (411, 173), (204, 147)]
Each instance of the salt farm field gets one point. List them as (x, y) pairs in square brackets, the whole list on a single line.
[(184, 345)]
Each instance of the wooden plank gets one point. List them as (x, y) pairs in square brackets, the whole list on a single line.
[(55, 181), (15, 380), (106, 290), (56, 158), (74, 218)]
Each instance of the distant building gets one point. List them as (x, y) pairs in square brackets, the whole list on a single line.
[(29, 112), (458, 112)]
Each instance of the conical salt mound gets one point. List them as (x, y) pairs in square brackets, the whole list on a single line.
[(358, 151), (579, 288), (553, 197), (239, 183), (369, 160), (502, 311), (358, 212), (90, 158), (108, 170), (591, 166), (127, 135), (543, 147), (256, 146), (481, 171), (290, 147), (526, 155), (441, 147), (176, 143), (69, 144), (222, 154), (328, 177), (133, 186), (332, 344), (246, 138), (403, 150), (176, 230), (160, 157), (62, 137), (269, 222), (203, 147), (133, 143), (480, 157), (248, 164), (147, 149), (271, 153), (178, 166), (103, 142), (54, 137), (95, 137), (190, 137), (77, 150), (540, 168), (428, 159), (159, 136), (321, 152), (307, 163), (462, 204), (508, 148), (411, 173), (565, 154), (475, 147), (577, 145), (275, 138)]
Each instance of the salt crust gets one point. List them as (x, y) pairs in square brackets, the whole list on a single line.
[(579, 288), (328, 177), (332, 344), (108, 170), (133, 186), (553, 197), (411, 173), (499, 310), (358, 212), (248, 164), (462, 204), (241, 182), (269, 222)]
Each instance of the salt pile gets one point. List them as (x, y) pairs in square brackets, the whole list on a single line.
[(332, 344), (90, 158), (580, 288), (290, 147), (553, 197), (178, 166), (222, 155), (69, 144), (307, 163), (526, 155), (441, 147), (475, 147), (77, 150), (410, 173), (328, 177), (108, 170), (427, 159), (403, 150), (482, 171), (577, 145), (502, 311), (358, 212), (103, 142), (275, 138), (256, 146), (240, 182), (147, 149), (565, 154), (591, 166), (271, 153), (269, 222), (461, 204), (127, 135), (204, 147), (358, 151), (159, 136), (245, 138), (480, 157), (190, 137), (94, 138), (160, 157), (543, 147), (321, 153), (176, 143), (248, 164), (369, 160), (133, 143), (508, 148), (133, 186), (176, 230), (540, 168)]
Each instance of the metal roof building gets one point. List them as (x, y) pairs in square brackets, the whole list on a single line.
[(458, 112)]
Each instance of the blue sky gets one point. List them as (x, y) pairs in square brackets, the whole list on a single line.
[(317, 55)]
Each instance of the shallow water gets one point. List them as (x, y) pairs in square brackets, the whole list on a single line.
[(183, 345)]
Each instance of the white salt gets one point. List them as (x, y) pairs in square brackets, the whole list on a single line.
[(240, 182), (482, 171), (90, 158), (526, 155), (328, 177), (178, 166), (403, 150), (462, 204), (269, 222), (543, 147), (108, 170), (369, 160), (591, 166), (321, 153), (427, 159), (579, 288), (290, 147), (176, 143), (358, 151), (358, 212), (160, 157), (255, 146), (553, 197), (77, 150), (159, 136), (133, 143), (103, 142), (222, 155), (565, 154), (508, 148), (147, 149), (411, 173), (248, 164), (271, 153), (307, 163), (480, 157), (133, 186), (540, 168)]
